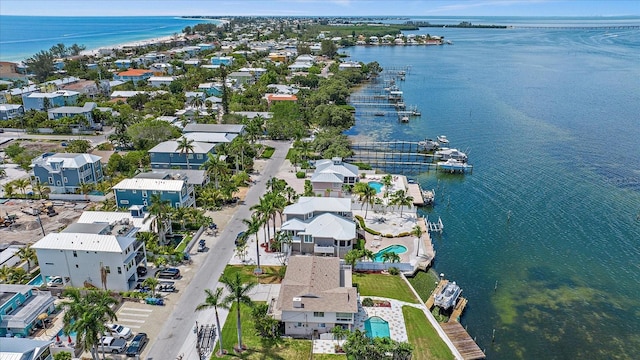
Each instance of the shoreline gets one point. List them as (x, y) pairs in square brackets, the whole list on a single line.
[(120, 46)]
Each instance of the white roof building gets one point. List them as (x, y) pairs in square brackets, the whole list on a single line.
[(149, 184)]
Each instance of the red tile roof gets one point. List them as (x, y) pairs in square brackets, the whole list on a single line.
[(135, 72)]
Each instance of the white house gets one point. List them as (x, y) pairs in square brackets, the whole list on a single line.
[(102, 250), (320, 225), (330, 176), (316, 295)]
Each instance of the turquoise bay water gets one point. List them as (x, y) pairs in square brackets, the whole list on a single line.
[(23, 36), (398, 249), (550, 119), (376, 327)]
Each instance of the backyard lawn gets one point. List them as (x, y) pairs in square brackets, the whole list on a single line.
[(427, 344), (424, 283), (257, 347), (389, 286), (269, 273)]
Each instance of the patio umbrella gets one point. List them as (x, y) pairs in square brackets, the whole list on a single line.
[(69, 338), (42, 317), (58, 339)]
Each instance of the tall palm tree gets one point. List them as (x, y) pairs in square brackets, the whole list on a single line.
[(18, 276), (386, 181), (401, 198), (151, 282), (85, 188), (3, 172), (214, 300), (263, 209), (216, 168), (22, 184), (185, 146), (237, 293), (368, 254), (253, 227), (390, 257), (41, 189), (28, 254), (161, 209), (366, 195), (417, 232)]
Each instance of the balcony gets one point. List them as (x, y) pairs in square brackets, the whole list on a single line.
[(323, 249)]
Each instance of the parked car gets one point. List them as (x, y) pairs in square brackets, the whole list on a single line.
[(118, 331), (202, 247), (166, 286), (240, 238), (55, 281), (141, 270), (137, 344), (141, 287), (112, 345), (168, 273)]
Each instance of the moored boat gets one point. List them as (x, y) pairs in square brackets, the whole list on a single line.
[(448, 297), (442, 139), (454, 165)]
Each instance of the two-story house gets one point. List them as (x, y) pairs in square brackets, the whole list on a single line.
[(316, 295), (10, 111), (86, 111), (213, 133), (330, 175), (45, 101), (134, 75), (167, 155), (222, 60), (65, 172), (20, 306), (320, 225), (139, 191)]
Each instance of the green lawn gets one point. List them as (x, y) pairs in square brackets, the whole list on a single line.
[(257, 347), (424, 283), (246, 272), (427, 344), (388, 286), (268, 152)]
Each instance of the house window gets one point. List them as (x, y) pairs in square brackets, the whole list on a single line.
[(66, 180), (144, 193), (299, 325), (119, 270), (344, 316), (322, 325), (307, 238), (50, 180), (107, 270), (75, 253), (58, 183), (134, 191), (199, 156), (77, 267), (124, 202), (318, 314)]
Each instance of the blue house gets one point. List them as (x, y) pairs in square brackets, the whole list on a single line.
[(37, 100), (65, 172), (167, 156), (138, 191), (20, 306), (212, 89), (134, 75), (85, 111), (222, 60), (10, 111), (123, 63)]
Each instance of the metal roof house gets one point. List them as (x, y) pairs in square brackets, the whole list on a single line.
[(20, 306), (66, 172), (138, 191), (166, 155), (330, 175)]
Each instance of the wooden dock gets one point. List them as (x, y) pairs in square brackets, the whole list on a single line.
[(457, 310), (414, 191), (462, 341)]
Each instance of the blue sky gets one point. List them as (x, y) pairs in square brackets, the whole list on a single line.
[(321, 7)]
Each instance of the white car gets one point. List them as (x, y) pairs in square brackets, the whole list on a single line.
[(118, 331), (55, 281)]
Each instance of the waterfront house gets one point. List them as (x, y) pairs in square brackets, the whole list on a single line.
[(66, 172), (134, 75), (45, 101), (320, 225), (20, 306), (101, 251), (331, 175), (316, 295), (138, 191), (166, 155), (11, 111)]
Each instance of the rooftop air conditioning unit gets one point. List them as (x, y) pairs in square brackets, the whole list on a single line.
[(297, 302)]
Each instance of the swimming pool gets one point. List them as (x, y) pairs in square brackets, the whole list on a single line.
[(36, 281), (375, 185), (396, 248), (376, 327)]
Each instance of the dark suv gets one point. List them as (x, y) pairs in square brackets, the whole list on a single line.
[(168, 273), (137, 344)]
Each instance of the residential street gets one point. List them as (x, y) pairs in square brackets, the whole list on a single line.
[(177, 336)]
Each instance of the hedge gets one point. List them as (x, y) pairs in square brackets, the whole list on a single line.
[(363, 226)]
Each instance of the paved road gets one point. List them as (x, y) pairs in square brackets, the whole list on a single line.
[(93, 139), (177, 333)]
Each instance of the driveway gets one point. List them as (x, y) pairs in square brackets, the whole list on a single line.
[(176, 336)]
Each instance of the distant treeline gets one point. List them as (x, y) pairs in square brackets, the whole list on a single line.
[(464, 24)]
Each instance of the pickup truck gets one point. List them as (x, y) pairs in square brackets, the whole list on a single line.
[(113, 345)]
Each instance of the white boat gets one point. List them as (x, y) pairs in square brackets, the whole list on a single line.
[(448, 297), (404, 119), (454, 165), (447, 153), (428, 196), (429, 145), (442, 139)]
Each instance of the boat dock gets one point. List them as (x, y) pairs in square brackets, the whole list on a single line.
[(435, 226), (462, 341), (437, 290), (413, 190), (457, 310)]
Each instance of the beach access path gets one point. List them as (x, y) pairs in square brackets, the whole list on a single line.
[(176, 336)]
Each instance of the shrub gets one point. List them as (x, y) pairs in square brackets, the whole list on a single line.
[(367, 302), (268, 152), (363, 226), (301, 174), (394, 270), (403, 234), (388, 235)]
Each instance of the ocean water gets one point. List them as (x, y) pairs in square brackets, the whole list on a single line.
[(551, 214), (23, 36)]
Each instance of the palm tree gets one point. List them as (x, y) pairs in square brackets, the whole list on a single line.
[(390, 257), (263, 210), (366, 194), (9, 190), (214, 300), (368, 254), (18, 276), (253, 227), (417, 232), (86, 315), (401, 198), (352, 257), (22, 184), (41, 189), (5, 273), (152, 283), (386, 181), (29, 255), (238, 294), (215, 168), (3, 172), (161, 209), (85, 188), (185, 146)]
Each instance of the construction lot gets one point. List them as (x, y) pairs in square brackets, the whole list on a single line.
[(25, 228)]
